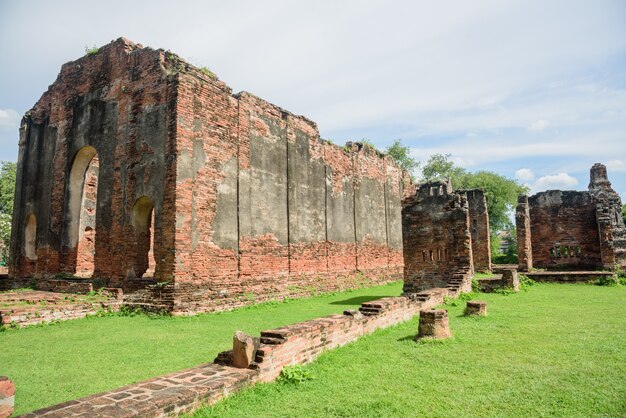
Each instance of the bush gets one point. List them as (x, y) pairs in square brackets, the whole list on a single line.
[(607, 281), (295, 374)]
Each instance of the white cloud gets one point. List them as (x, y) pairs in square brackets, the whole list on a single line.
[(9, 119), (539, 125), (525, 174), (616, 165), (561, 181)]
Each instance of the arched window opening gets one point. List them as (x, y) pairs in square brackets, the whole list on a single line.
[(83, 196), (30, 237), (143, 222)]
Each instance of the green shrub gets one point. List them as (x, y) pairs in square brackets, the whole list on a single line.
[(295, 374), (606, 281), (91, 51), (525, 282)]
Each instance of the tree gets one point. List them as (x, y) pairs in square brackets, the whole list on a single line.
[(402, 156), (624, 212), (501, 192), (7, 192), (439, 167)]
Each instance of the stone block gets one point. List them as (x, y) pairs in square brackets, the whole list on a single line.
[(434, 324), (244, 349), (7, 397), (476, 307), (510, 279)]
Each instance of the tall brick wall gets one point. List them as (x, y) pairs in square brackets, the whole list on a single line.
[(270, 209), (436, 237), (117, 101), (249, 203), (564, 231), (572, 230)]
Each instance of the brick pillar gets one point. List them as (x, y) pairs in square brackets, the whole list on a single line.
[(434, 324), (476, 307), (7, 397), (524, 245)]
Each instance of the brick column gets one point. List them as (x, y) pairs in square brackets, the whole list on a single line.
[(524, 245)]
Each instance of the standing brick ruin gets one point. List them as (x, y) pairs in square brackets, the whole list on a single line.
[(572, 230), (136, 168), (445, 237)]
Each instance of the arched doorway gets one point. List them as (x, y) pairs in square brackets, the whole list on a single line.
[(83, 197), (143, 222), (30, 237)]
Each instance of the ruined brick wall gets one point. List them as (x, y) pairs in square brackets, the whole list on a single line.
[(564, 231), (479, 229), (117, 102), (611, 227), (270, 209), (572, 230), (241, 200), (436, 237)]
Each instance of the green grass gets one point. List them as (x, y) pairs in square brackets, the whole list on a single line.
[(556, 350), (481, 275), (56, 363)]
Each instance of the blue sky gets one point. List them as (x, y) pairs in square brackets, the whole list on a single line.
[(534, 90)]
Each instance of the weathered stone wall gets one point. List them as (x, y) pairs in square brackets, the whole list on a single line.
[(436, 237), (479, 229), (117, 102), (158, 167)]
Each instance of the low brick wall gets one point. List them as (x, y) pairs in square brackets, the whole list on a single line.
[(299, 343), (31, 307)]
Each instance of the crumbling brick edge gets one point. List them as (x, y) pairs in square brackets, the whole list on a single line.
[(300, 343)]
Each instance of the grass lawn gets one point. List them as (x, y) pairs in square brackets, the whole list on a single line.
[(56, 363), (556, 350)]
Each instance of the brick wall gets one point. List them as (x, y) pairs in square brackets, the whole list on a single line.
[(243, 200), (271, 210), (572, 230), (564, 231), (117, 101), (436, 234)]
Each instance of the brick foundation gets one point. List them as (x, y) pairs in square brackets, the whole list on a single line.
[(299, 343)]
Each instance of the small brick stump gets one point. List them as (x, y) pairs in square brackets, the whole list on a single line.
[(476, 307), (7, 397), (434, 324), (510, 279)]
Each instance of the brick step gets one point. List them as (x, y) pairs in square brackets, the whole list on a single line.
[(370, 311), (272, 340)]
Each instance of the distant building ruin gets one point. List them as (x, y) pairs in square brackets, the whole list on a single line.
[(141, 171), (568, 230), (445, 237)]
